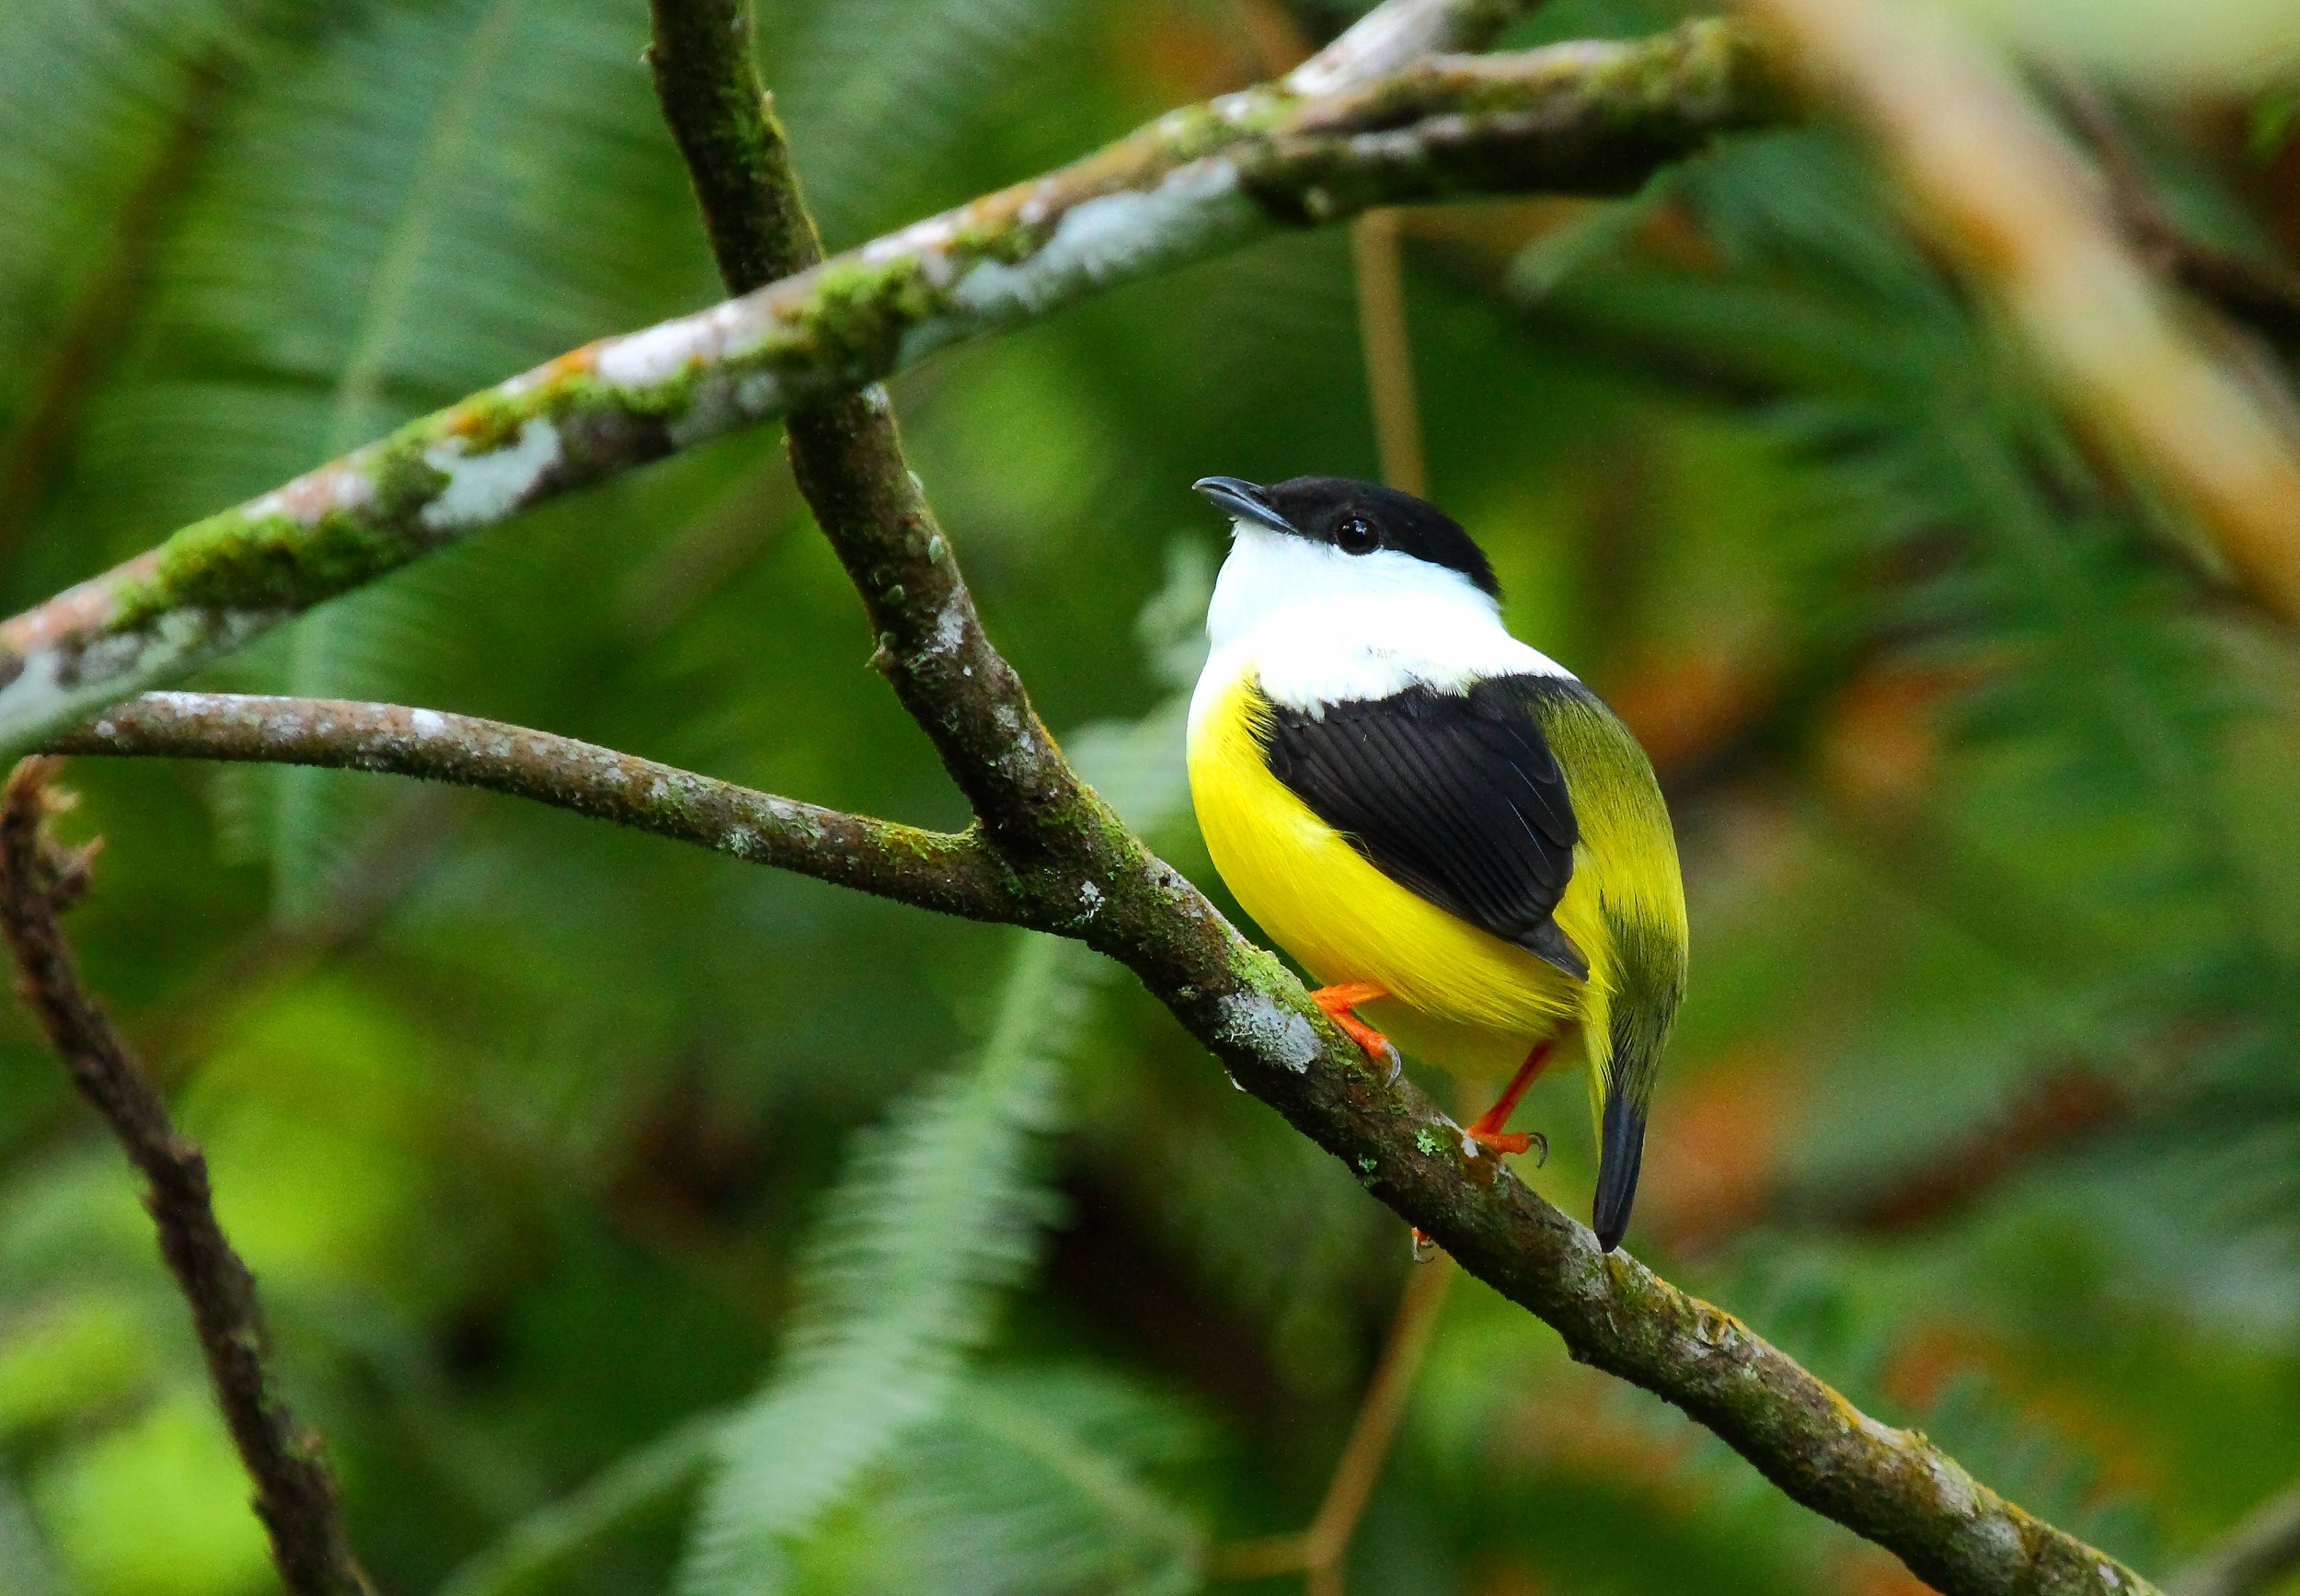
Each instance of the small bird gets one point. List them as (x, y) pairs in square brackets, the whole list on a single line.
[(1445, 826)]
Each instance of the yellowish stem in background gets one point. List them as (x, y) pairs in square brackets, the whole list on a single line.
[(1389, 346), (2001, 192)]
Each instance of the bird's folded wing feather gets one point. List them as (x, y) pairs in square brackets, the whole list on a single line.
[(1454, 795)]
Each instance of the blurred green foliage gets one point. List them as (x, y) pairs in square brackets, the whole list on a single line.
[(635, 1220)]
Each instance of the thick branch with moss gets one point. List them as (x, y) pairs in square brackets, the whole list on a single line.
[(1197, 183), (1891, 1485)]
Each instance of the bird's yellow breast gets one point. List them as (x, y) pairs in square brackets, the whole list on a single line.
[(1463, 998)]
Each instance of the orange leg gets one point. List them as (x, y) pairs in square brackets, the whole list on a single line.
[(1338, 1001), (1487, 1131)]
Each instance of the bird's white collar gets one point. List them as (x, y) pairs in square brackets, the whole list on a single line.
[(1319, 626)]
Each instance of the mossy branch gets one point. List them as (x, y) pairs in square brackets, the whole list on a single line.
[(1198, 182), (1890, 1484)]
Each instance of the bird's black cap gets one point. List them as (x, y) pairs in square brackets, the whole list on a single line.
[(1323, 509)]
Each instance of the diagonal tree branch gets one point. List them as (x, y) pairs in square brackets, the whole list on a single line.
[(1199, 181), (295, 1496), (1892, 1486)]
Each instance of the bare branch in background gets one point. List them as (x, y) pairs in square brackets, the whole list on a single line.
[(1198, 182), (2001, 192), (2261, 294), (295, 1496), (1388, 347), (2258, 1555), (2056, 1114), (1319, 1551)]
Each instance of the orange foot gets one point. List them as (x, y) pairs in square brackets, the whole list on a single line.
[(1486, 1130), (1338, 1001)]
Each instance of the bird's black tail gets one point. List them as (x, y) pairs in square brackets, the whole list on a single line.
[(1646, 964), (1621, 1148)]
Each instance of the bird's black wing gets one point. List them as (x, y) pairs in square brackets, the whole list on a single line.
[(1454, 796)]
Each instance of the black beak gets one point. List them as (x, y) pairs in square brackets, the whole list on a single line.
[(1242, 500)]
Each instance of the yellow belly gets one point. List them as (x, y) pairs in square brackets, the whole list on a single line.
[(1462, 998)]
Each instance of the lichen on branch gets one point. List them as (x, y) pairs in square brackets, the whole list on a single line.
[(1199, 181)]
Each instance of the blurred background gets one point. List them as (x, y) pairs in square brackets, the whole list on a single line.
[(632, 1219)]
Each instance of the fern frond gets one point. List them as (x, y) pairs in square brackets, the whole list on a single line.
[(423, 198), (1038, 1484), (936, 1215), (518, 1559)]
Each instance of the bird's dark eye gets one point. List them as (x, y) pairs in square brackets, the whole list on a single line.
[(1356, 535)]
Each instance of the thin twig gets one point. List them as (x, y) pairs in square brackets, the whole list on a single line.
[(949, 872), (1328, 1542), (295, 1496), (1320, 1551), (1199, 182), (2257, 1555), (1386, 343), (1388, 347)]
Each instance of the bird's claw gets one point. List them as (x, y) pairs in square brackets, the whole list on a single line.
[(1512, 1142), (1397, 1061)]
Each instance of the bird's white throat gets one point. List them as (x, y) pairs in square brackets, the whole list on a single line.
[(1320, 626)]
